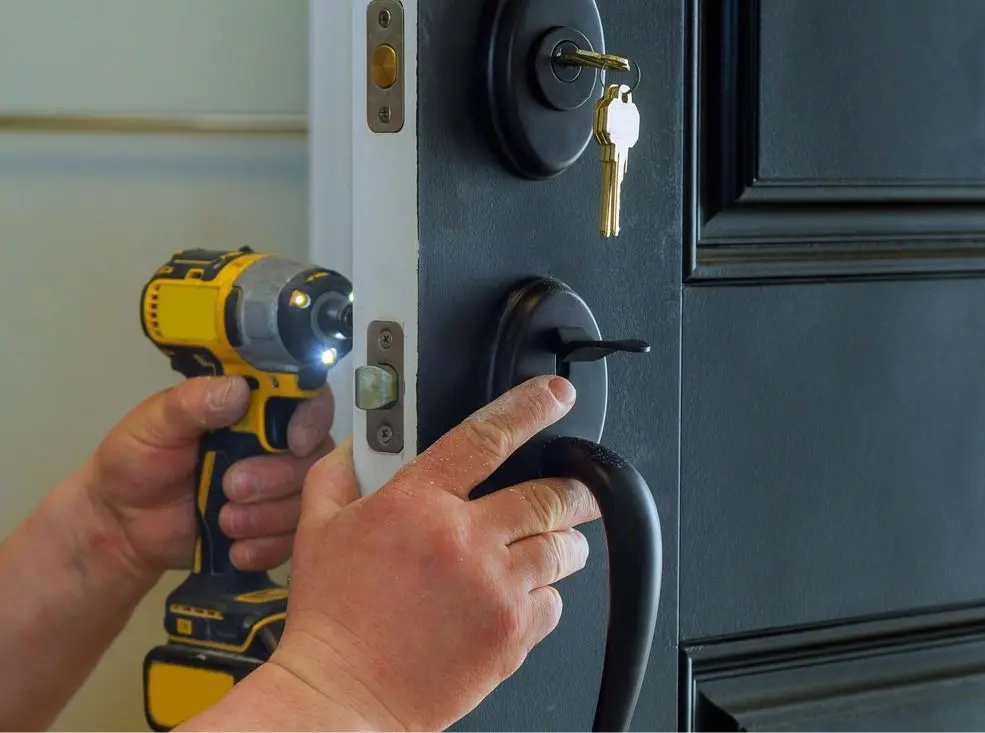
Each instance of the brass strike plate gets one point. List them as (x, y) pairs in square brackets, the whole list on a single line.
[(385, 62)]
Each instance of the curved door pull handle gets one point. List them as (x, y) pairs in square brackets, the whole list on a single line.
[(633, 537)]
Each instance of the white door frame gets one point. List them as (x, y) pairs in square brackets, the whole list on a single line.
[(363, 208)]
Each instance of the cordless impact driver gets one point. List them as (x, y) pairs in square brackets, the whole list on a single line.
[(282, 326)]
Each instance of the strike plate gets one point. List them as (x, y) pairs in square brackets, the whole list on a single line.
[(385, 62), (385, 347)]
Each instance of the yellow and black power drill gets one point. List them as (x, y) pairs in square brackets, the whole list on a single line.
[(281, 325)]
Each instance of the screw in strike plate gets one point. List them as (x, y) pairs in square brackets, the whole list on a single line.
[(384, 115), (386, 339), (384, 19), (384, 434)]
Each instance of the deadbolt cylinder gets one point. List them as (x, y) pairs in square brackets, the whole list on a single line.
[(564, 87)]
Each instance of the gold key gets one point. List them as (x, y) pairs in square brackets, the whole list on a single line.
[(602, 61), (617, 130), (607, 151)]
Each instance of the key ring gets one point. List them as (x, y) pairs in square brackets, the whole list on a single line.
[(601, 61)]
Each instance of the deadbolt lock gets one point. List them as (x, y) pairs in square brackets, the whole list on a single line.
[(540, 108)]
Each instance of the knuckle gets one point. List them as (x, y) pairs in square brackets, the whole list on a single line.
[(451, 542), (547, 505), (233, 521), (489, 437), (509, 624), (539, 403), (554, 555)]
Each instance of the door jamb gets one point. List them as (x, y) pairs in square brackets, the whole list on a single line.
[(363, 206)]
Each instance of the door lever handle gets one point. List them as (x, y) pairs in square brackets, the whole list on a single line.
[(633, 538), (576, 344)]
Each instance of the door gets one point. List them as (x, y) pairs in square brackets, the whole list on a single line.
[(801, 244)]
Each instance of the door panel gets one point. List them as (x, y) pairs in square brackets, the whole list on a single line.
[(915, 673), (876, 90), (481, 231), (802, 236), (819, 154), (833, 452)]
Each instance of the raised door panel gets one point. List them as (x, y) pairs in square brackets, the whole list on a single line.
[(833, 407), (913, 674), (833, 424), (836, 138), (833, 452)]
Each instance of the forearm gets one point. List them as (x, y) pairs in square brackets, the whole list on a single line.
[(68, 590)]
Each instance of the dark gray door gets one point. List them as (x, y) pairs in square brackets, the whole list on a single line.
[(802, 244)]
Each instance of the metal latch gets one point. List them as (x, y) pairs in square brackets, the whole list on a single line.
[(379, 387)]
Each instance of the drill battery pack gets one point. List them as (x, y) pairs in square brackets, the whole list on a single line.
[(181, 681), (220, 628)]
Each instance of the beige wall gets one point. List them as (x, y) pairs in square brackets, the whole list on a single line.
[(84, 220)]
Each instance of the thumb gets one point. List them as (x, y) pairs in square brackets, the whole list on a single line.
[(187, 411), (330, 485)]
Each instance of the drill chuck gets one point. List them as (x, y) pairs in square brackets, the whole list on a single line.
[(333, 316)]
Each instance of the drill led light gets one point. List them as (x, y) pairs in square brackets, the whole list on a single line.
[(329, 357), (300, 300)]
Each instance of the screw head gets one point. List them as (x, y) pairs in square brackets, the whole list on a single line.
[(384, 19), (386, 339), (384, 434), (384, 115)]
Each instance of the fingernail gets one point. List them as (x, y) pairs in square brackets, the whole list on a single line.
[(563, 391), (307, 438), (244, 485), (585, 549)]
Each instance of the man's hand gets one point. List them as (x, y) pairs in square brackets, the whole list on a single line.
[(141, 479), (99, 541), (411, 605)]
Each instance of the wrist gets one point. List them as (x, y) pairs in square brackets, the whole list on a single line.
[(318, 670), (275, 698), (94, 538)]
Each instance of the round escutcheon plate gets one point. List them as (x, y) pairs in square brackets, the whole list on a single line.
[(541, 112)]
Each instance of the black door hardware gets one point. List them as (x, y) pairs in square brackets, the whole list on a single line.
[(544, 327), (540, 109)]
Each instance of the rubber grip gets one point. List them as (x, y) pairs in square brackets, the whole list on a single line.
[(633, 537), (218, 451)]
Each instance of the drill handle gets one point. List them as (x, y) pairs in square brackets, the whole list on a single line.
[(218, 451)]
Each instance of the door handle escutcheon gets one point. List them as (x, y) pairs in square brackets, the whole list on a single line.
[(544, 327)]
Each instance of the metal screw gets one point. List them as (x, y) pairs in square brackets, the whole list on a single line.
[(384, 115), (384, 18), (386, 339), (384, 434)]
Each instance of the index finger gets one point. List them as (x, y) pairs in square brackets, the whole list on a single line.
[(469, 453)]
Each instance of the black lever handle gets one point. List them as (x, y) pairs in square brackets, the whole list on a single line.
[(575, 344), (633, 537)]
